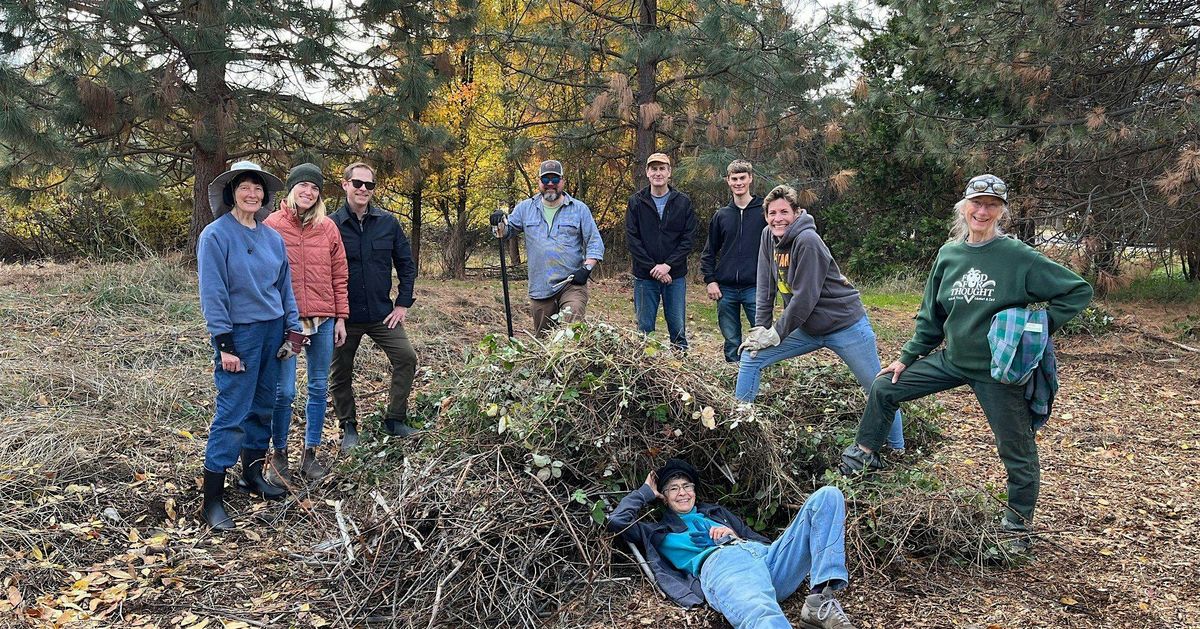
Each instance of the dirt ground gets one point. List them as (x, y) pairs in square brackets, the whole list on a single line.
[(101, 434)]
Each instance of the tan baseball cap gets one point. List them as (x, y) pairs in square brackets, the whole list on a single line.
[(660, 158)]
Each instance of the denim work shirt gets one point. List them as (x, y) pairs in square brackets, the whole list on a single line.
[(555, 251)]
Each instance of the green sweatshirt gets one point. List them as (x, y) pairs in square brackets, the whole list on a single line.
[(968, 285)]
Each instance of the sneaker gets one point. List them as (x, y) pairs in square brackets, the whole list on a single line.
[(823, 611), (855, 459)]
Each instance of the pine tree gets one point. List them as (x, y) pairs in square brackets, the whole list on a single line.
[(130, 96), (1091, 110)]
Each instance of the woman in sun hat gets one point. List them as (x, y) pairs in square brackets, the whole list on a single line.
[(978, 273), (249, 309), (319, 272)]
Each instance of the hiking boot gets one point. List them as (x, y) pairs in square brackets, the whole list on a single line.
[(276, 469), (855, 459), (349, 436), (212, 510), (397, 428), (252, 477), (310, 467), (1019, 539), (823, 611)]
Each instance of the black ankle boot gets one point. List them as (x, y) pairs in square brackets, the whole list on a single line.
[(212, 511), (397, 428), (349, 436), (252, 476)]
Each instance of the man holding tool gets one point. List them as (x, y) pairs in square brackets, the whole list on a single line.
[(562, 245)]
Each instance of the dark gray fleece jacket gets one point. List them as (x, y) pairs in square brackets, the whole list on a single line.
[(817, 298)]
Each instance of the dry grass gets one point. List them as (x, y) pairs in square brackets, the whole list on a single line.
[(105, 394)]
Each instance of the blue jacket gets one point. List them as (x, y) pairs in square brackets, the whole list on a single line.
[(653, 241), (244, 276), (373, 247), (730, 255), (554, 252), (681, 587)]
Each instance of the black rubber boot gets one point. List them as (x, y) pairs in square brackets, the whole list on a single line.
[(397, 428), (252, 476), (349, 436), (212, 511)]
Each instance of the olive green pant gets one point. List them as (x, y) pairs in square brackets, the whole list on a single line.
[(395, 344), (1004, 405)]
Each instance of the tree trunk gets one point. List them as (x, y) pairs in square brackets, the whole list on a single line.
[(647, 81), (213, 98), (417, 197), (510, 192)]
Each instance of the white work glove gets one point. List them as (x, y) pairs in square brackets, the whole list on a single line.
[(759, 338)]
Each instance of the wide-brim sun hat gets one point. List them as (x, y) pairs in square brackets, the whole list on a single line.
[(216, 189)]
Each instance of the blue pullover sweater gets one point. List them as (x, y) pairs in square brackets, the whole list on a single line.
[(244, 276)]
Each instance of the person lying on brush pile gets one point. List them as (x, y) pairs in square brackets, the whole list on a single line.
[(701, 552)]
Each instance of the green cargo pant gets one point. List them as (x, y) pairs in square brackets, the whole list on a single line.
[(1004, 405)]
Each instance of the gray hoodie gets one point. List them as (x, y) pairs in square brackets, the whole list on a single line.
[(822, 300)]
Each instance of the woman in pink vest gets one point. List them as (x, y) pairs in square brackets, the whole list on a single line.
[(318, 263)]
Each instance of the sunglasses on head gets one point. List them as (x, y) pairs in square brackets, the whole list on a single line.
[(358, 183), (551, 179), (984, 185)]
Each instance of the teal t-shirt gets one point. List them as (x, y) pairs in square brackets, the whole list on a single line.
[(679, 549)]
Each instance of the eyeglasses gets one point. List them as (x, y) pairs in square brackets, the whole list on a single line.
[(358, 183), (674, 489), (551, 179), (989, 185)]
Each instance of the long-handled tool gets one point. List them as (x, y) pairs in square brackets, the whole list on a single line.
[(504, 282)]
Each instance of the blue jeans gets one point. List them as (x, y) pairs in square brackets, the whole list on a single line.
[(730, 306), (242, 417), (646, 295), (747, 581), (319, 353), (855, 344)]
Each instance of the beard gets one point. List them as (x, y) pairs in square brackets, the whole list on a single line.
[(550, 195)]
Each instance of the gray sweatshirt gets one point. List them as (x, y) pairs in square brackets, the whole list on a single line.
[(817, 298)]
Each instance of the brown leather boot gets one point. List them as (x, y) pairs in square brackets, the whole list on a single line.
[(276, 470), (310, 467)]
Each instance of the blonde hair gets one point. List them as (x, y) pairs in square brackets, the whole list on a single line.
[(346, 174), (959, 230), (786, 193), (313, 215), (739, 166)]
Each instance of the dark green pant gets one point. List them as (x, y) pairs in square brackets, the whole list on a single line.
[(394, 343), (1004, 405)]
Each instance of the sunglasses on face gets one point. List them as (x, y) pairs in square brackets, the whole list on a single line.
[(551, 179), (985, 185), (358, 183)]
